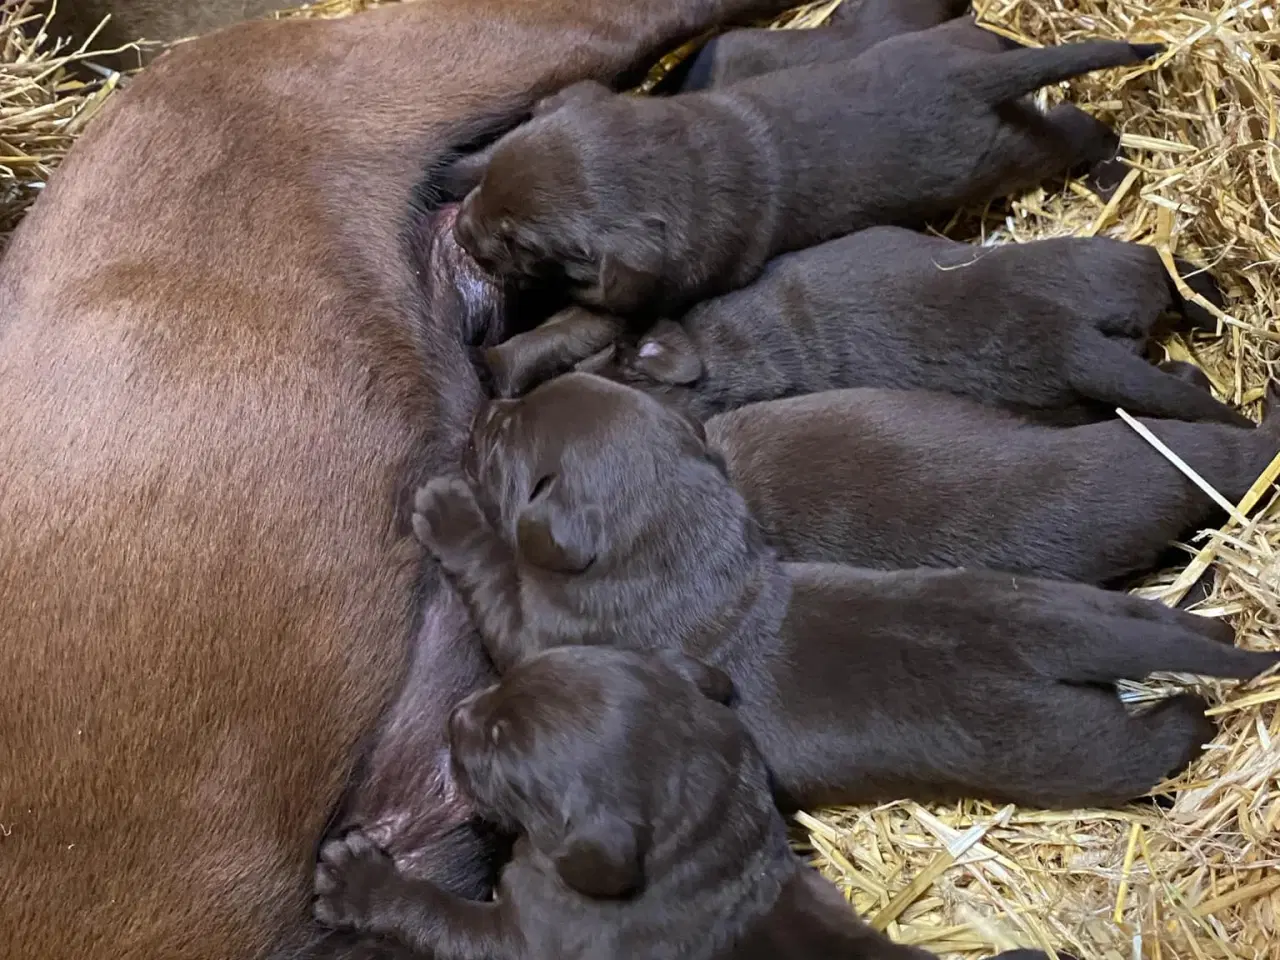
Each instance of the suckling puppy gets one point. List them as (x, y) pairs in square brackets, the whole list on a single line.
[(898, 479), (1054, 330), (853, 29), (644, 203), (646, 825), (595, 514)]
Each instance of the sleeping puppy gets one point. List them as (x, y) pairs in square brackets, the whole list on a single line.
[(646, 830), (650, 204), (1054, 330), (899, 479), (853, 28), (595, 514)]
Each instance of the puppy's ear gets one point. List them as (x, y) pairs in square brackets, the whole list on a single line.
[(555, 537), (713, 682), (602, 857), (667, 355), (465, 174), (631, 268)]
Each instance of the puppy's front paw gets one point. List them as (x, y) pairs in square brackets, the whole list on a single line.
[(505, 380), (445, 513), (352, 877)]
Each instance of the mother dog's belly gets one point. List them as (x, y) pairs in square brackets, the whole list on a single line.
[(212, 419)]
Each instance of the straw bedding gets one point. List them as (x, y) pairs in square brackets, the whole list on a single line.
[(1197, 876)]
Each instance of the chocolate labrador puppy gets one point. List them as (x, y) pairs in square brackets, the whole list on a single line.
[(1054, 330), (644, 203), (595, 514), (647, 830), (852, 29), (899, 479)]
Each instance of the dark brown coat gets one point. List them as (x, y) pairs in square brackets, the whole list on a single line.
[(898, 479), (593, 514), (647, 830), (855, 27), (1054, 330), (644, 204)]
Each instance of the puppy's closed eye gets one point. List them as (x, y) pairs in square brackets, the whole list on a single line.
[(541, 487)]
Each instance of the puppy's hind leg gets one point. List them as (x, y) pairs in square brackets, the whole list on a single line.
[(1110, 757), (1136, 648), (1106, 371), (1033, 147), (1203, 283), (1187, 373), (1017, 73)]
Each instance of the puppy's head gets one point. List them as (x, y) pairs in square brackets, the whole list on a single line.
[(556, 202), (593, 752), (580, 470), (519, 224)]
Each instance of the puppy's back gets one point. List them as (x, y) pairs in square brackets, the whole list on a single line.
[(897, 479)]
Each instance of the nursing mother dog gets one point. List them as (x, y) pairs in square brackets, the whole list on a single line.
[(228, 314)]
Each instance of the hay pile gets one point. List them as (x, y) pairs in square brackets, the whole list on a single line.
[(42, 106), (1199, 878)]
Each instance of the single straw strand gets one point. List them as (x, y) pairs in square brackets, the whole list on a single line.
[(1177, 461)]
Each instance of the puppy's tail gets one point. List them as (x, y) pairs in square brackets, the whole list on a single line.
[(1016, 73)]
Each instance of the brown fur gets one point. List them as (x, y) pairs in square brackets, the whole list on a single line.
[(248, 334), (593, 514), (647, 830), (1053, 329), (644, 204), (898, 479), (855, 27)]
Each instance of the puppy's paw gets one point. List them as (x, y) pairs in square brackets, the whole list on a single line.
[(503, 381), (353, 876), (1168, 738), (445, 513)]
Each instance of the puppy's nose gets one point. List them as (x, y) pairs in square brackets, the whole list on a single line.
[(467, 234)]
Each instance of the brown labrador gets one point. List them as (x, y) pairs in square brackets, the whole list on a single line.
[(593, 513), (269, 317), (853, 28), (643, 204), (898, 479), (647, 830), (1054, 330)]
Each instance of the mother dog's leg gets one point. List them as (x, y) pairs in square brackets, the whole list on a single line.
[(237, 345)]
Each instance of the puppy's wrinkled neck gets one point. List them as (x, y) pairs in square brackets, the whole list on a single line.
[(711, 573), (728, 862)]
